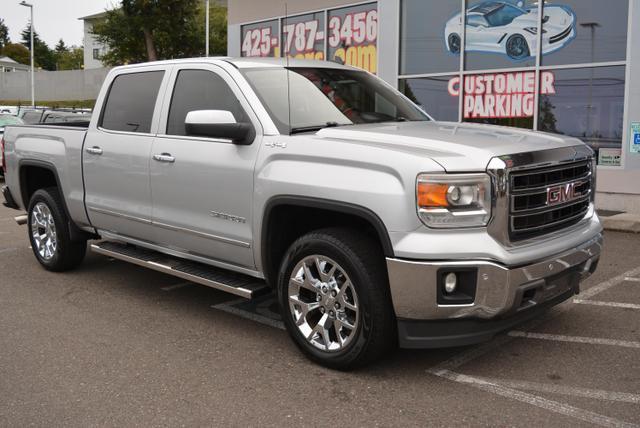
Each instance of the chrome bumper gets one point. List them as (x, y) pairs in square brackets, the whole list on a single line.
[(500, 290)]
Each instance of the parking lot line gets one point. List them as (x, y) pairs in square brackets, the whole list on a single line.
[(611, 304), (566, 390), (534, 400), (574, 339), (176, 286), (584, 295), (632, 279)]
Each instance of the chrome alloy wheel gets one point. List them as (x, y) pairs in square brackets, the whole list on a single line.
[(43, 231), (323, 303)]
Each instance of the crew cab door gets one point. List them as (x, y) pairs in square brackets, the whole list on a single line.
[(116, 155), (202, 188)]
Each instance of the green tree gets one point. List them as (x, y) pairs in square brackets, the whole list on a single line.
[(43, 56), (17, 52), (61, 47), (70, 59), (4, 35), (148, 30)]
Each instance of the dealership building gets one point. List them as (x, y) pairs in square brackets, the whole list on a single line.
[(563, 66)]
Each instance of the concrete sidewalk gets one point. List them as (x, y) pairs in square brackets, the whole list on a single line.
[(621, 222)]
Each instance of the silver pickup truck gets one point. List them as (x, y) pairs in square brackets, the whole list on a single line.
[(375, 225)]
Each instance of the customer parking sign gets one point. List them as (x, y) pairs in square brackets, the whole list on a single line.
[(634, 140)]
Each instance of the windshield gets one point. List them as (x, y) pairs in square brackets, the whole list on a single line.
[(322, 97), (7, 119), (503, 15)]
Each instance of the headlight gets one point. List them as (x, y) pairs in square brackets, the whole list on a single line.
[(454, 200)]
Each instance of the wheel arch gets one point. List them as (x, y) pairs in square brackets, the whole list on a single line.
[(278, 209), (46, 175)]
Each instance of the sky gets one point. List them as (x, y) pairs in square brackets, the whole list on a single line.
[(54, 19)]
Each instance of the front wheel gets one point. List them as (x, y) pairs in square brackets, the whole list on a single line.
[(49, 232), (517, 47), (334, 297)]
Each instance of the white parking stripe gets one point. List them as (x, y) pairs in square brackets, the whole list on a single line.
[(584, 295), (632, 279), (176, 286), (249, 315), (535, 400), (598, 394), (574, 339), (611, 304)]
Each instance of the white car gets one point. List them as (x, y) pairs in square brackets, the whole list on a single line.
[(502, 27)]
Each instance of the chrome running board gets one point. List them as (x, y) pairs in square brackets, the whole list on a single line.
[(220, 279)]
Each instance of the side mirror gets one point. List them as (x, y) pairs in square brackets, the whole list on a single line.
[(219, 124)]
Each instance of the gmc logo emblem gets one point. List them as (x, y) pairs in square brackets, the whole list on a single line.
[(563, 193)]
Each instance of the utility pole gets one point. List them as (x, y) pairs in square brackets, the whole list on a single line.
[(206, 29), (33, 89)]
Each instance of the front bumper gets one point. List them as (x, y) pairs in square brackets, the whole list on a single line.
[(503, 295)]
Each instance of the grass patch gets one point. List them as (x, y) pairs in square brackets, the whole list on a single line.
[(51, 104)]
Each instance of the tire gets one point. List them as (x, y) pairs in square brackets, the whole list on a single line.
[(359, 281), (453, 43), (517, 47), (48, 220)]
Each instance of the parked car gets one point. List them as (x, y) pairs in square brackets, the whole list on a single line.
[(502, 27), (5, 120), (374, 224), (40, 115)]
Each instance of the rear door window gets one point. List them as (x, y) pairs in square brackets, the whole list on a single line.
[(131, 101)]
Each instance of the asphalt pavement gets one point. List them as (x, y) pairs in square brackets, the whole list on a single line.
[(112, 344)]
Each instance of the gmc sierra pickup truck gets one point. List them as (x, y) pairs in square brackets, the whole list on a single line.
[(375, 225)]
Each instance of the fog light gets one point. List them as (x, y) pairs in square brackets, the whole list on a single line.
[(450, 282)]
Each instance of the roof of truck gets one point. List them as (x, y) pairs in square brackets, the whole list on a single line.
[(249, 62)]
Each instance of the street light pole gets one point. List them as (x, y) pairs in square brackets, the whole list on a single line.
[(206, 30), (33, 90)]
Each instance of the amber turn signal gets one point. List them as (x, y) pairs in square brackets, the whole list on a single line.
[(432, 195)]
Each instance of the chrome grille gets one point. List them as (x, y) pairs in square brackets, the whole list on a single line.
[(543, 200)]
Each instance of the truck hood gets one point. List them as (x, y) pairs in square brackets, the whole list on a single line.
[(455, 146)]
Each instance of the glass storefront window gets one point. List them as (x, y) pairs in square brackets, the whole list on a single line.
[(433, 95), (584, 31), (261, 39), (499, 34), (587, 103), (423, 36), (303, 36), (353, 36), (499, 98)]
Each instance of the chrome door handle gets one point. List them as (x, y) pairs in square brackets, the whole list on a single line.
[(95, 150), (164, 157)]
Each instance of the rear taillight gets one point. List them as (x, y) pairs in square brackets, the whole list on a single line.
[(4, 161)]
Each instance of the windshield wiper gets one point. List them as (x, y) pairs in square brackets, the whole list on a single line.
[(311, 128)]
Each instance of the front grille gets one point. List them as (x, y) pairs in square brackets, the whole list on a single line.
[(561, 36), (544, 200)]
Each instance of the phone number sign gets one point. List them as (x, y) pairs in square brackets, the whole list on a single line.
[(349, 36)]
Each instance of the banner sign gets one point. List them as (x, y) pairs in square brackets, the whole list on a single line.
[(353, 36), (261, 39), (303, 36), (501, 95), (350, 36)]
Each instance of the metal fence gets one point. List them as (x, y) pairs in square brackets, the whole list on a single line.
[(53, 85)]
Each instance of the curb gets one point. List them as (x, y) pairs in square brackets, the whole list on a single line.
[(624, 222)]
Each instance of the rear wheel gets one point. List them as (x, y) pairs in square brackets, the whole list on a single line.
[(454, 43), (334, 297), (48, 228)]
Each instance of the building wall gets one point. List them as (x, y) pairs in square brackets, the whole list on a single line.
[(90, 43), (53, 85), (241, 11)]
